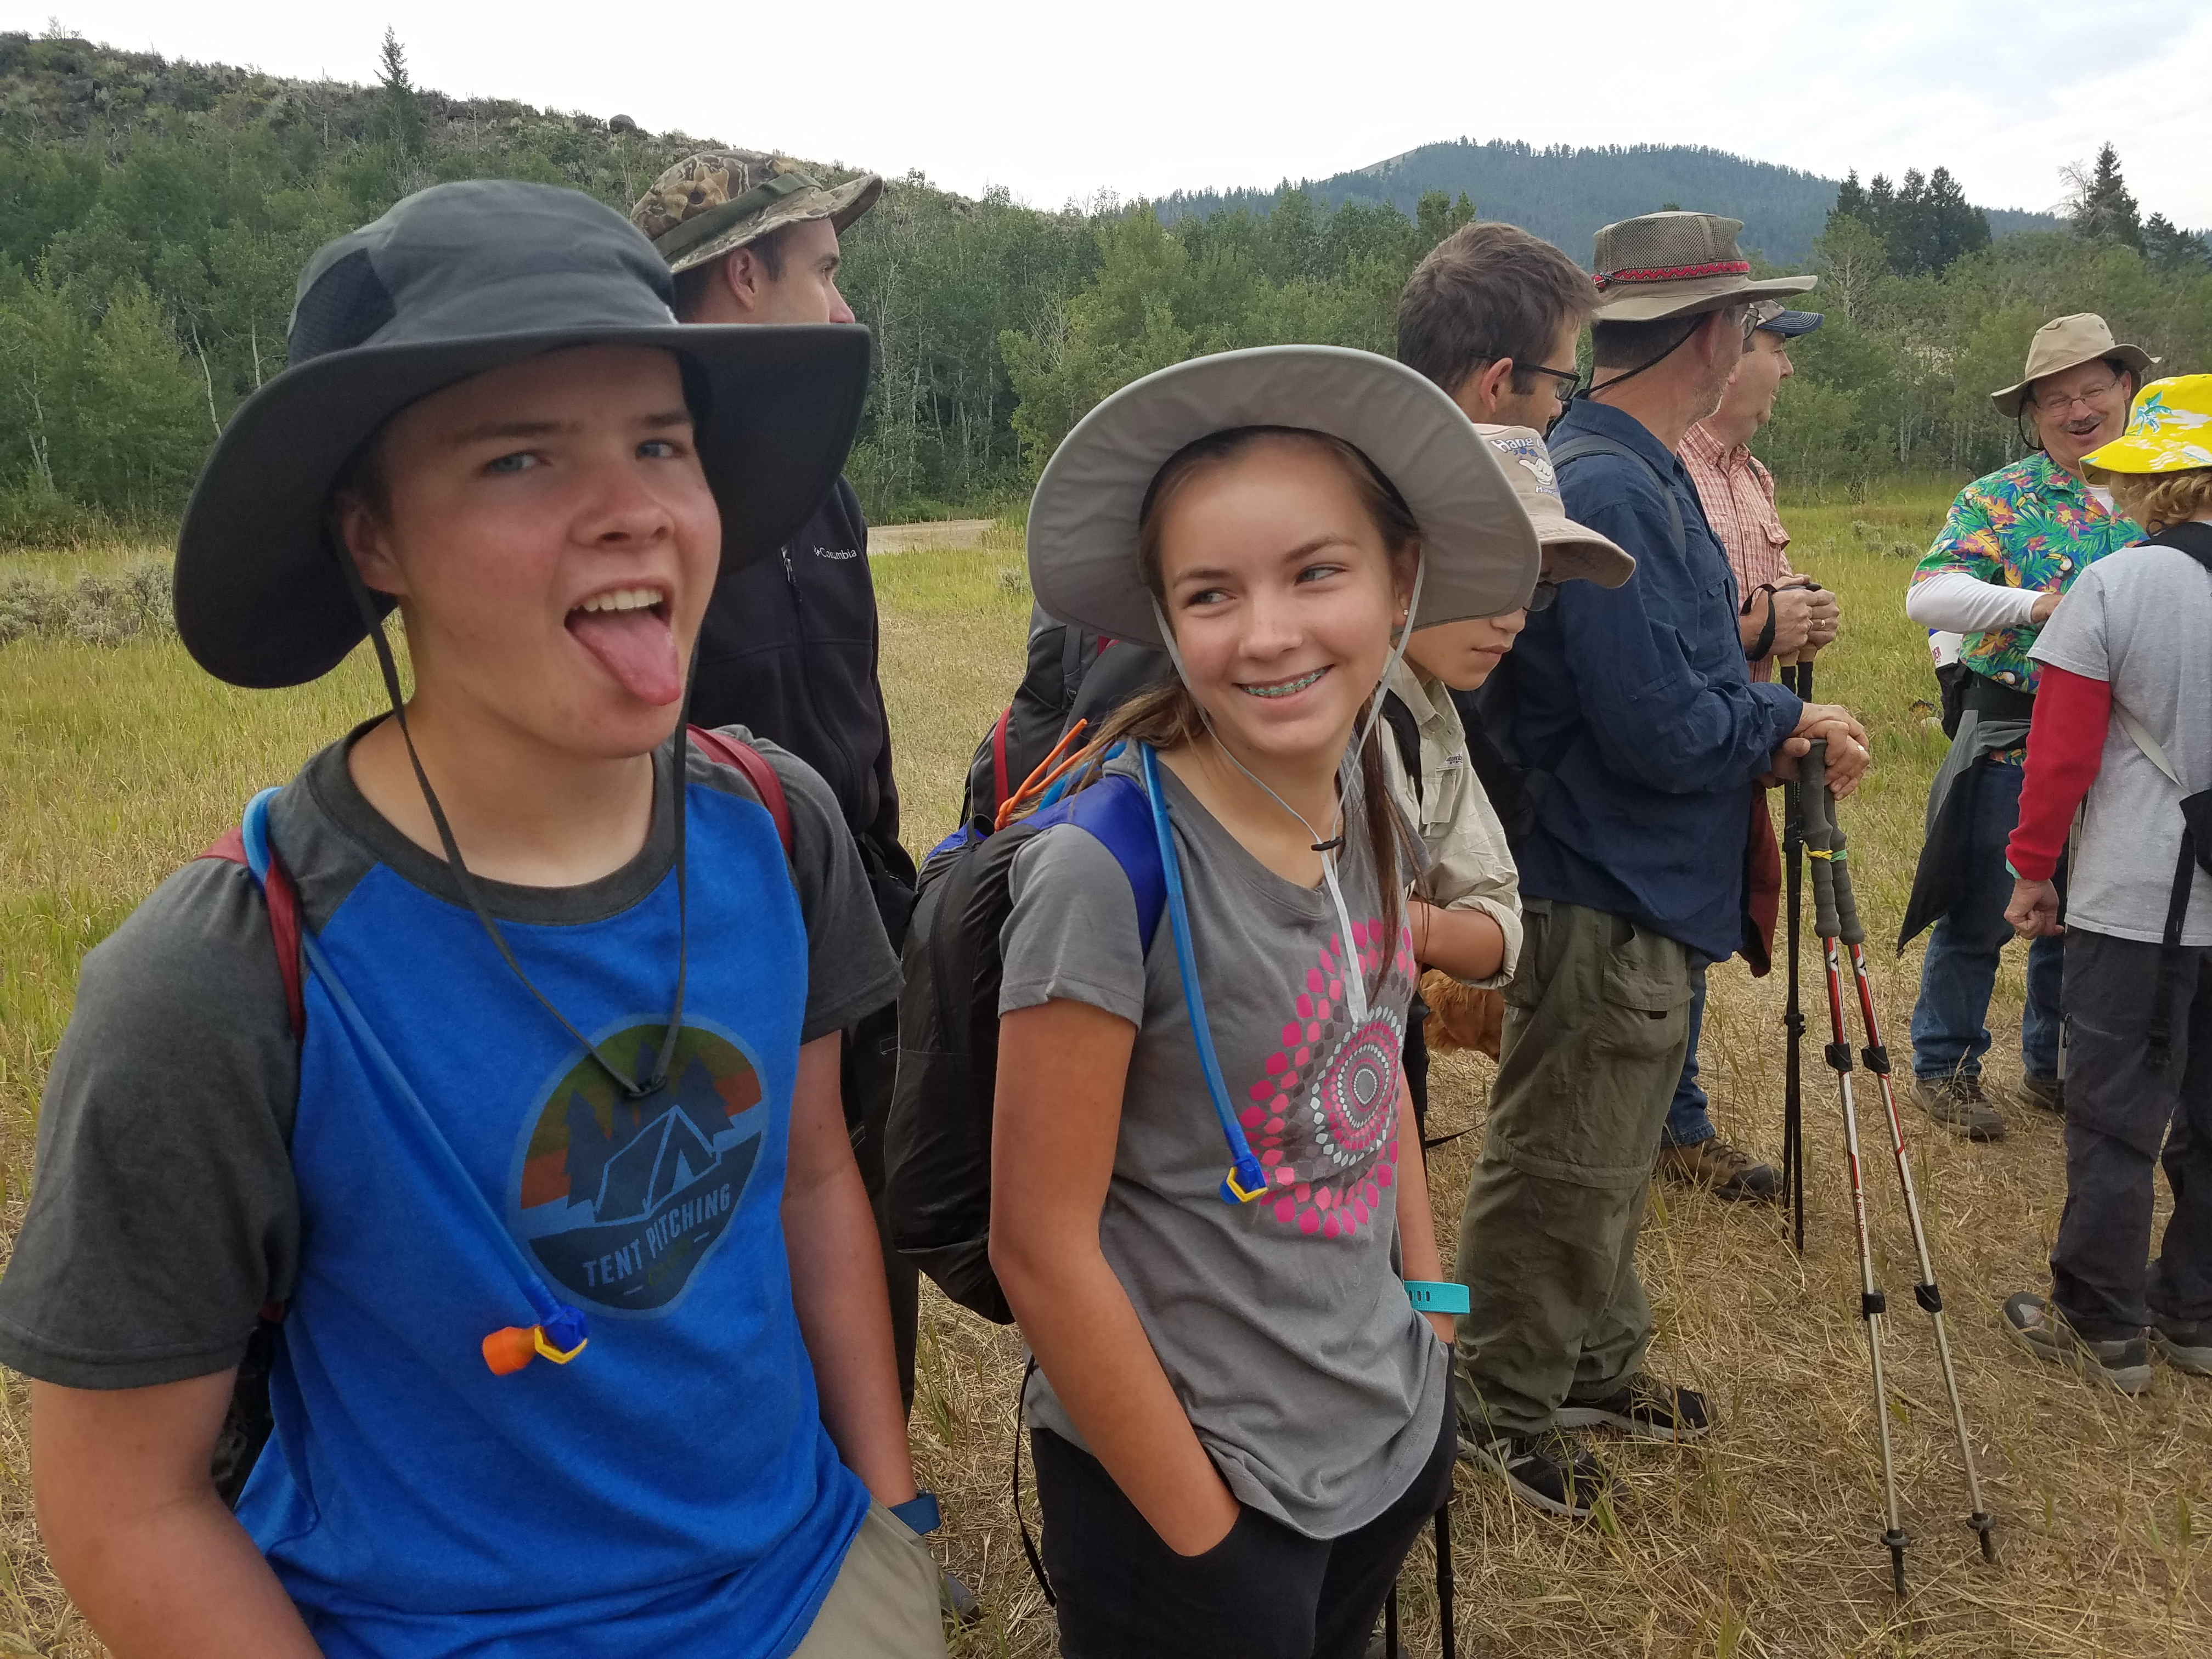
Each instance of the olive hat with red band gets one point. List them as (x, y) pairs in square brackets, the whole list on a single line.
[(1678, 264)]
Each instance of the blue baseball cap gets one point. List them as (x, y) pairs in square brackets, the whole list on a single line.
[(1791, 324)]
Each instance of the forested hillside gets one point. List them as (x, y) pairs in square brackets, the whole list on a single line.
[(1565, 194), (154, 214)]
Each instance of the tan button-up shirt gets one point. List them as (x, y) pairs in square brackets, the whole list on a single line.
[(1470, 866), (1738, 496)]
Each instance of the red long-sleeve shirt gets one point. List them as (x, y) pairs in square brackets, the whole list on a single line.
[(2065, 747)]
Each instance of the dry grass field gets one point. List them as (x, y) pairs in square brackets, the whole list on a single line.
[(116, 763)]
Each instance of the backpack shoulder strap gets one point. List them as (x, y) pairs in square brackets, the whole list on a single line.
[(758, 772), (282, 900), (1117, 814), (1592, 443), (1405, 730)]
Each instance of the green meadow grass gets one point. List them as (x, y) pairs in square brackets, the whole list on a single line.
[(117, 763)]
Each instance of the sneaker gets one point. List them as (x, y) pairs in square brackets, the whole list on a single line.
[(1552, 1471), (1958, 1103), (1721, 1171), (2033, 1323), (2044, 1093), (2185, 1345), (957, 1602), (1643, 1406)]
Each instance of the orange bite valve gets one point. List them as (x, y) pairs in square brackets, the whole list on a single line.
[(510, 1350)]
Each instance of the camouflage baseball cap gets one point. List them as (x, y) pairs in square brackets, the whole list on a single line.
[(720, 199)]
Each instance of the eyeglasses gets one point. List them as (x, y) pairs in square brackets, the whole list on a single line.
[(1570, 380), (2088, 395), (1545, 595)]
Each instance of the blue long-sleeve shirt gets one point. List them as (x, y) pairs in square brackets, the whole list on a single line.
[(1637, 702)]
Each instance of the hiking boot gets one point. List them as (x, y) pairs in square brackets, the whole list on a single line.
[(1958, 1103), (2185, 1344), (1644, 1408), (1723, 1171), (2046, 1094), (2033, 1323), (1552, 1471)]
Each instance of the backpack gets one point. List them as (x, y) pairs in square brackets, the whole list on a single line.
[(248, 1422), (937, 1144), (1073, 676), (2195, 540), (1515, 784)]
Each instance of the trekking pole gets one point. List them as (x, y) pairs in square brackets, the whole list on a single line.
[(1876, 1057), (1796, 678), (1822, 852)]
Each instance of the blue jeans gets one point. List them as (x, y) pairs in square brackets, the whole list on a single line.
[(1956, 976), (1687, 1122)]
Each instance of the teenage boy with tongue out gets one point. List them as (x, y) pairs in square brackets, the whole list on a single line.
[(584, 1346)]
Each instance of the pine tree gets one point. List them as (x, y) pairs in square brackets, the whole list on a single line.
[(1850, 200), (399, 118), (2101, 210), (2168, 247)]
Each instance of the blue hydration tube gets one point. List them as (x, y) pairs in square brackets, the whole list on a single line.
[(411, 1121), (1246, 1180)]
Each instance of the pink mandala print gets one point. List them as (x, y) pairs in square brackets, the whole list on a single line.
[(1323, 1116)]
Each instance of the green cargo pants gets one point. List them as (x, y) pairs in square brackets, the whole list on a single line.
[(1597, 1021)]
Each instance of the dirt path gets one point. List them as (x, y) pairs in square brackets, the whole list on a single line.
[(942, 533)]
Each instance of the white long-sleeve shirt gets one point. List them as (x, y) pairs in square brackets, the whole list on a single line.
[(1957, 603)]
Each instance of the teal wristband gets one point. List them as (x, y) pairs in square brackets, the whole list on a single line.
[(920, 1513), (1433, 1296)]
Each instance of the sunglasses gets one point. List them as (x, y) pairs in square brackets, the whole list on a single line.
[(1545, 595)]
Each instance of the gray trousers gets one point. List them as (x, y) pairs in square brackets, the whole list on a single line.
[(2118, 1113), (1597, 1020)]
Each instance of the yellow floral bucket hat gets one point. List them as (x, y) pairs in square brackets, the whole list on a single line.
[(2169, 429)]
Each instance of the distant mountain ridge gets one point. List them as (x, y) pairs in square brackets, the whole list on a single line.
[(1565, 194)]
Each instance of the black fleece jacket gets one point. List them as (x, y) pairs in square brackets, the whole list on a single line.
[(788, 650)]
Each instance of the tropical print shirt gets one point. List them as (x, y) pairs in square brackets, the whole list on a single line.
[(2031, 525)]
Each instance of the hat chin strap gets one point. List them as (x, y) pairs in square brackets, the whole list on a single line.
[(636, 1088), (1330, 846)]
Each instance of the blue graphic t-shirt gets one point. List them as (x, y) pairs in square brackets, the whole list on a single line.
[(672, 1487)]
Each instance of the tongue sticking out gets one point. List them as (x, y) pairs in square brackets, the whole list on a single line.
[(636, 646)]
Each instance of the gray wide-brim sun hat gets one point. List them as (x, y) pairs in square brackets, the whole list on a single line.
[(1479, 552), (455, 280)]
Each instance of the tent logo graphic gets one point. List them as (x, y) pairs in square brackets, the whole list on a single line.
[(623, 1200)]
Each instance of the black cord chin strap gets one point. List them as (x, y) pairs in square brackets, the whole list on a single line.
[(632, 1087)]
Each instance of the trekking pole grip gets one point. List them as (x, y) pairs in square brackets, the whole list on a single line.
[(1817, 807), (1849, 928)]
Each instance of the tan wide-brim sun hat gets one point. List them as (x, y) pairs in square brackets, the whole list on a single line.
[(1678, 264), (1479, 552), (2065, 343), (711, 203), (1572, 552)]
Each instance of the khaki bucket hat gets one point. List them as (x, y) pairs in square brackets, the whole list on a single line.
[(2065, 343), (719, 199), (1678, 264), (1572, 552), (1478, 550)]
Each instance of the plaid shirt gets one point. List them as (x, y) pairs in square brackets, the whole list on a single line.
[(2030, 525), (1738, 494)]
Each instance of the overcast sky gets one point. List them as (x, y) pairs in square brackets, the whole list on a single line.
[(1061, 102)]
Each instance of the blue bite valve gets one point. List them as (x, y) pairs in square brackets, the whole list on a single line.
[(1245, 1182)]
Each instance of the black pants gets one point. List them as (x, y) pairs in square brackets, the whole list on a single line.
[(2118, 1111), (871, 1060), (1264, 1592)]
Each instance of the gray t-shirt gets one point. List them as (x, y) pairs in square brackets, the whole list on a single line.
[(2141, 619), (1282, 1324), (165, 1215)]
